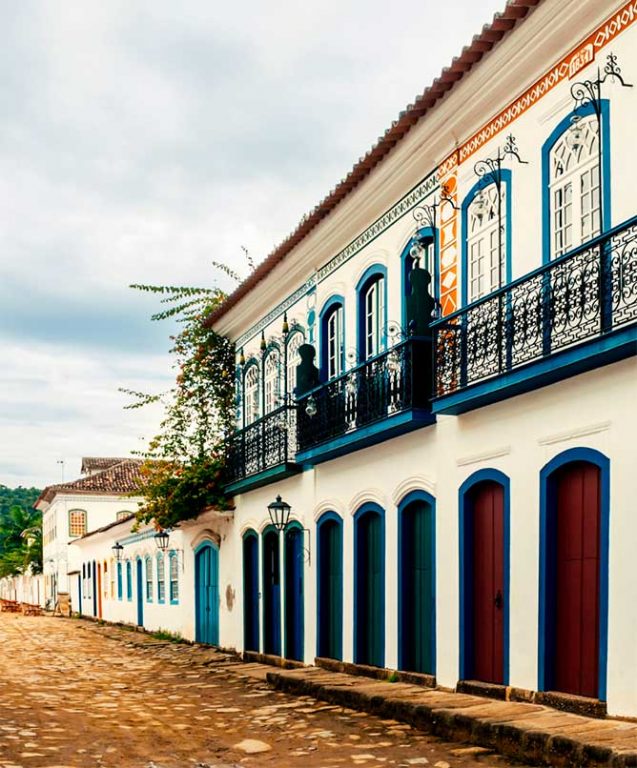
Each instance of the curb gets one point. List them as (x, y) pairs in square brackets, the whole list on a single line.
[(528, 733)]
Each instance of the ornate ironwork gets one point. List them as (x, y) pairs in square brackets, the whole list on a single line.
[(394, 381), (585, 294), (266, 443)]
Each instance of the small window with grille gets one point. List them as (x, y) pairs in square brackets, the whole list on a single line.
[(77, 522)]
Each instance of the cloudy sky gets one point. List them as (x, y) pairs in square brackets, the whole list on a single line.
[(139, 140)]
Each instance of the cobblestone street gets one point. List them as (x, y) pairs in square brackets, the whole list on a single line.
[(73, 693)]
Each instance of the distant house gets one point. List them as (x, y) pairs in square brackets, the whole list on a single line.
[(70, 510)]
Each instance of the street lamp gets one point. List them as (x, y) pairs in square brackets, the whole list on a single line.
[(589, 92), (279, 512), (489, 171), (117, 551), (162, 538)]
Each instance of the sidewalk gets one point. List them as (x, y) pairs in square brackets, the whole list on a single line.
[(527, 732)]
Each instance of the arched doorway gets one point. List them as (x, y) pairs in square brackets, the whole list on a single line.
[(369, 586), (574, 574), (140, 593), (271, 592), (99, 590), (94, 586), (416, 586), (330, 587), (294, 608), (207, 593), (250, 591), (484, 577)]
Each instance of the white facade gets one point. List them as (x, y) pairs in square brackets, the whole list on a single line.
[(68, 516), (521, 427)]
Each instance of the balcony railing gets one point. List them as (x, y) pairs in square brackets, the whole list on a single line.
[(268, 443), (588, 293), (392, 383)]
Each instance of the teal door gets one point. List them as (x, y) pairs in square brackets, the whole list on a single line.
[(294, 557), (416, 588), (271, 593), (369, 590), (250, 592), (140, 594), (207, 594), (330, 587)]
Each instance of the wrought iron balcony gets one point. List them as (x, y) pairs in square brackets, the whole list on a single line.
[(263, 451), (573, 314), (380, 398)]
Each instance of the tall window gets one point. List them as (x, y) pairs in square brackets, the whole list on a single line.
[(334, 342), (174, 577), (120, 586), (486, 242), (112, 579), (161, 579), (272, 381), (374, 317), (251, 395), (105, 578), (149, 580), (293, 359), (129, 580), (574, 186), (77, 522)]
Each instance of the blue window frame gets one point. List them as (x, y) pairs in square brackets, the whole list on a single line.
[(129, 581), (149, 579), (484, 266), (173, 575), (332, 330), (576, 203), (371, 292), (161, 579), (119, 581)]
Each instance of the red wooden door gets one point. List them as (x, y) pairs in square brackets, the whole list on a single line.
[(99, 591), (488, 582), (577, 579)]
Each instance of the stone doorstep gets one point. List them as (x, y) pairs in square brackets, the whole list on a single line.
[(524, 731)]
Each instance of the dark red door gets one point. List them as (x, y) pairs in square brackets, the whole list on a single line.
[(577, 550), (488, 582)]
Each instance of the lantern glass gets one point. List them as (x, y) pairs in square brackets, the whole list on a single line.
[(279, 511), (161, 540), (117, 551)]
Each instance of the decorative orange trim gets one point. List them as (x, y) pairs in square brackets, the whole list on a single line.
[(568, 67), (448, 240)]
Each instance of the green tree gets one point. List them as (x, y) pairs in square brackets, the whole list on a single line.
[(185, 464), (20, 540)]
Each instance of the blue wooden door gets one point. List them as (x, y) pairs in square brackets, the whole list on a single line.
[(294, 594), (330, 589), (271, 594), (94, 583), (251, 592), (417, 614), (207, 594), (369, 627), (140, 594)]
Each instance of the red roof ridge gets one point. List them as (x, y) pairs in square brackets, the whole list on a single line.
[(483, 42), (118, 479)]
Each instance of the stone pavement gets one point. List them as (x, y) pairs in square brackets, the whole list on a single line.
[(75, 694), (527, 732)]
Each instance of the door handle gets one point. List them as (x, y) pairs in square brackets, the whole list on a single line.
[(498, 600)]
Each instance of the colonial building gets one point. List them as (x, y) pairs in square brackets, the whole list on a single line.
[(477, 522), (436, 371), (70, 510)]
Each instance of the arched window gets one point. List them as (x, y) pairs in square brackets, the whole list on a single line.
[(272, 381), (149, 580), (161, 579), (574, 185), (173, 564), (486, 242), (123, 514), (295, 340), (129, 580), (77, 522), (372, 312), (251, 395), (332, 324)]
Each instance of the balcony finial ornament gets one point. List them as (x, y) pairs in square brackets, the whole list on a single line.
[(242, 357), (286, 327), (263, 344)]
